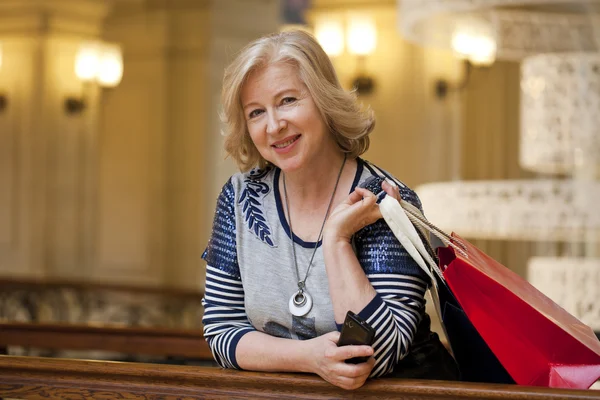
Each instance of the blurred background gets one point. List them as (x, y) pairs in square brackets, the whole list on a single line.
[(111, 155)]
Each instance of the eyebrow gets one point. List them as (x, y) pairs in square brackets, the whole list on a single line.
[(278, 94)]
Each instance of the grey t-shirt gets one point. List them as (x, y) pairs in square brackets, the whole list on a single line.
[(267, 266)]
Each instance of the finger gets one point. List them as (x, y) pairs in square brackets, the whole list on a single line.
[(391, 189), (368, 199), (371, 363), (363, 377), (365, 194), (364, 369), (360, 199), (351, 351), (355, 370), (348, 370), (348, 383), (353, 198), (364, 212), (358, 196)]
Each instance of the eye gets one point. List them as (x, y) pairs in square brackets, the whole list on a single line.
[(288, 100), (254, 113)]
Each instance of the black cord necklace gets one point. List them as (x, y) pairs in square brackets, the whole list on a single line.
[(301, 301)]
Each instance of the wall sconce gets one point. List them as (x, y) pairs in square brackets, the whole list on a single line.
[(330, 35), (95, 62), (3, 98), (360, 38), (443, 87), (474, 41)]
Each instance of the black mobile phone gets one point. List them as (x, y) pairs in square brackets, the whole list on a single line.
[(373, 184), (356, 331)]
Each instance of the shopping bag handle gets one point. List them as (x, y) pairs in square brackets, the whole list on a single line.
[(407, 235), (417, 218)]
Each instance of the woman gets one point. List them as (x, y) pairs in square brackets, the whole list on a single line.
[(295, 242)]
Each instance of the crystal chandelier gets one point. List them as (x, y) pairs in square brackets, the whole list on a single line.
[(571, 282), (549, 209), (522, 27), (560, 112), (558, 45)]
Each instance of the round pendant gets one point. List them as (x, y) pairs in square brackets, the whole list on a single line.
[(300, 303)]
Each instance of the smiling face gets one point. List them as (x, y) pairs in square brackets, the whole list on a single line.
[(283, 120)]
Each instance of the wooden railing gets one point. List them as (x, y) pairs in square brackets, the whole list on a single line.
[(188, 344), (37, 378)]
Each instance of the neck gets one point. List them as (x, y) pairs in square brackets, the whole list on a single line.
[(310, 186)]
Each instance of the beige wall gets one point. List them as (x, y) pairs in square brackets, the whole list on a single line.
[(161, 164), (120, 193), (150, 147), (45, 172)]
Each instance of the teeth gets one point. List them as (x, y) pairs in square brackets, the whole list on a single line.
[(284, 144)]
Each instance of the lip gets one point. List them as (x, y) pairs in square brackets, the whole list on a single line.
[(285, 140), (288, 148)]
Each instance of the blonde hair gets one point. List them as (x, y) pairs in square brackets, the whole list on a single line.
[(347, 122)]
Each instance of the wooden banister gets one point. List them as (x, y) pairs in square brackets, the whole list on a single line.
[(37, 378), (148, 341)]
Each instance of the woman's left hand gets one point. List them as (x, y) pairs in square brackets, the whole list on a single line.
[(357, 211)]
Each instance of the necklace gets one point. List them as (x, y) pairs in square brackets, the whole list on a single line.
[(301, 302)]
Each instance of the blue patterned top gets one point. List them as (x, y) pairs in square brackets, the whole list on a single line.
[(250, 274)]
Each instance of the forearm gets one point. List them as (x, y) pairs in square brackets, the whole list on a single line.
[(258, 351), (349, 287), (389, 301)]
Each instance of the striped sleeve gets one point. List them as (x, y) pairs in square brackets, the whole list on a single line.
[(225, 320), (396, 310)]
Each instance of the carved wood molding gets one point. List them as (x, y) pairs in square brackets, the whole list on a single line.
[(34, 378), (149, 341), (37, 284)]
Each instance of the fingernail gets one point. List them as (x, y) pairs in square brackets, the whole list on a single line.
[(391, 183)]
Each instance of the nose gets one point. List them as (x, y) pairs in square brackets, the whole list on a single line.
[(275, 123)]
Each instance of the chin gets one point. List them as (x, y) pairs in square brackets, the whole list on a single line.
[(289, 164)]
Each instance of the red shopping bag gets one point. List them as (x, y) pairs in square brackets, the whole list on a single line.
[(536, 341)]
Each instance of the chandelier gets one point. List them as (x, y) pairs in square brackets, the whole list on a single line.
[(560, 112), (571, 282), (521, 27), (548, 209), (557, 44)]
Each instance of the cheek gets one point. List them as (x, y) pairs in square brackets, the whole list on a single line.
[(255, 134), (259, 139), (317, 125), (311, 117)]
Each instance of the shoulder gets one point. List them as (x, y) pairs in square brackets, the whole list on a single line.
[(256, 180), (377, 248), (253, 175), (379, 252), (407, 194)]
